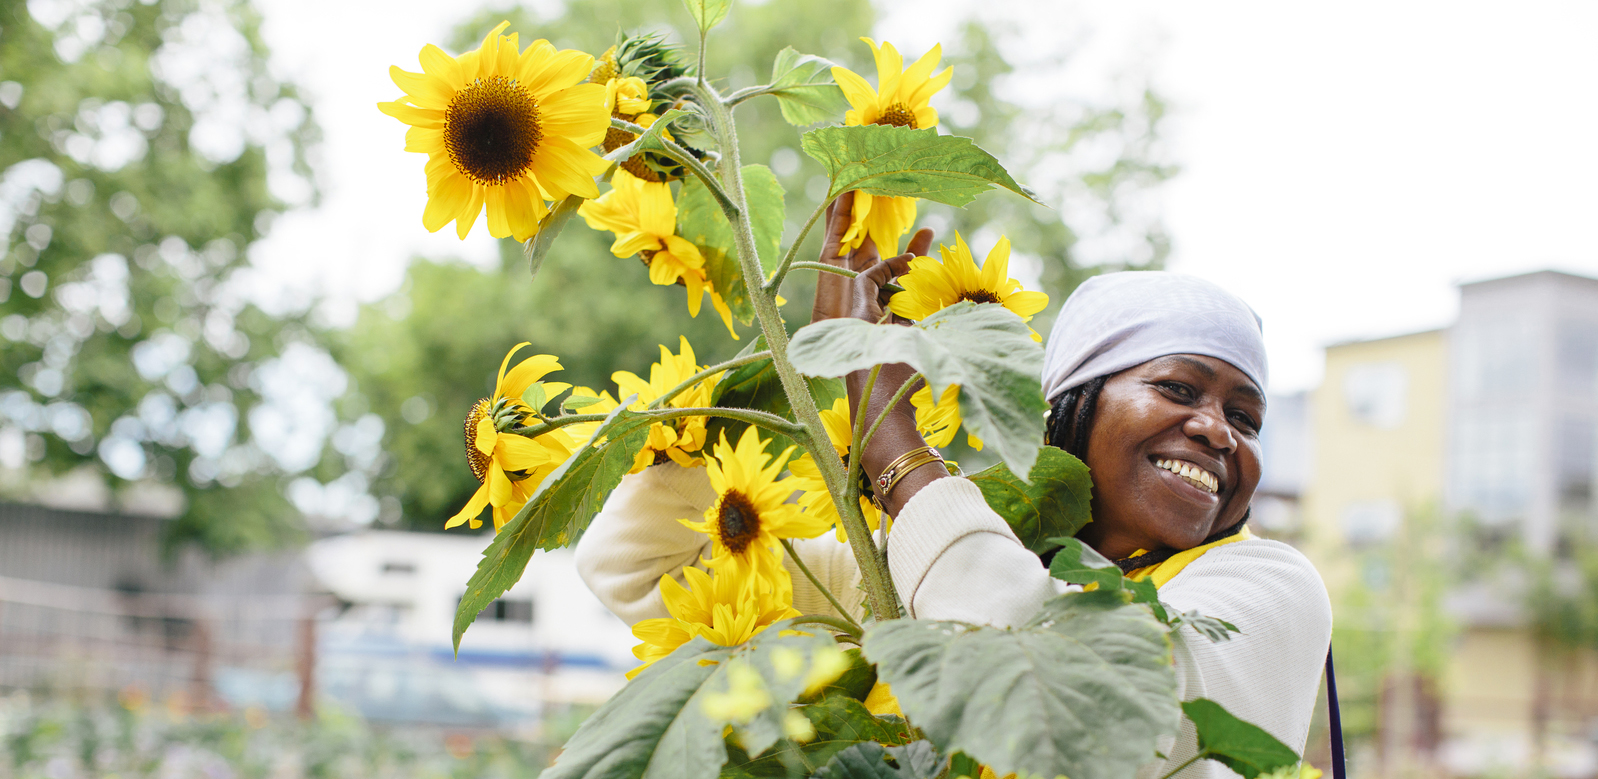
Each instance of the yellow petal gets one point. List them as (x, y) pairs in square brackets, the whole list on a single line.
[(494, 202), (472, 508), (544, 70), (427, 140), (424, 91), (446, 203), (564, 168), (438, 64), (523, 209), (468, 215), (577, 113), (413, 115), (519, 378)]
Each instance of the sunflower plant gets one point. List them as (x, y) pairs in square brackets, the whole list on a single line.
[(736, 680)]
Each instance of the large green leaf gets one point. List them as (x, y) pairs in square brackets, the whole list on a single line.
[(701, 220), (757, 386), (1056, 500), (903, 162), (984, 348), (557, 514), (840, 723), (916, 760), (1078, 563), (708, 13), (654, 727), (537, 247), (1082, 690), (1242, 747), (804, 88)]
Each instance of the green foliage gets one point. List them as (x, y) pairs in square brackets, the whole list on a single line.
[(701, 220), (1077, 563), (905, 162), (1055, 500), (548, 230), (757, 386), (1242, 747), (803, 86), (708, 13), (840, 722), (557, 514), (984, 348), (1084, 689), (658, 725), (127, 232), (915, 760)]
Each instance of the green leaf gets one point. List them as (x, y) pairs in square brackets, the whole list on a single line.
[(574, 402), (557, 514), (537, 247), (1083, 690), (804, 88), (535, 397), (701, 220), (840, 722), (1216, 630), (1238, 745), (855, 683), (903, 162), (764, 196), (757, 386), (651, 139), (708, 13), (1056, 502), (985, 349), (961, 764), (1078, 563), (765, 728), (916, 760), (654, 727)]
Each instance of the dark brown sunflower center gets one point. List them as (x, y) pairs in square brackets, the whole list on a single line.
[(738, 522), (980, 296), (898, 116), (491, 130), (476, 459)]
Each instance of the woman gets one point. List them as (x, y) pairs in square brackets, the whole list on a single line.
[(1156, 381)]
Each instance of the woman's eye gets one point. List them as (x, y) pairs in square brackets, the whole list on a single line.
[(1178, 389), (1245, 421)]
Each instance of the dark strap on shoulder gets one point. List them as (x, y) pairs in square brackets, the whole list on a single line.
[(1334, 719), (1130, 564)]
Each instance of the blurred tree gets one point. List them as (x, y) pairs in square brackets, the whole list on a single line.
[(423, 356), (136, 144)]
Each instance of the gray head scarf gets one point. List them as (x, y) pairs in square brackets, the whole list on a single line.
[(1120, 320)]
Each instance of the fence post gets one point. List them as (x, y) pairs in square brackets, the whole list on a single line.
[(305, 665)]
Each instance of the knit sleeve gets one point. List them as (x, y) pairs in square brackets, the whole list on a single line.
[(953, 558), (637, 538)]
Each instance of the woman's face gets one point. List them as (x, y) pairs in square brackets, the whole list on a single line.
[(1177, 413)]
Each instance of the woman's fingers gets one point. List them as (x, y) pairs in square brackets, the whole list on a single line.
[(920, 243), (838, 217)]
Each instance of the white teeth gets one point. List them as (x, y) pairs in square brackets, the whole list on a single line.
[(1193, 473)]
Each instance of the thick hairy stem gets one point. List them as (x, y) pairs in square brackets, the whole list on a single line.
[(857, 433), (873, 571), (711, 371), (1190, 761), (762, 419), (677, 154), (787, 261), (805, 569), (847, 628)]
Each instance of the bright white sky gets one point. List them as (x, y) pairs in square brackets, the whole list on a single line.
[(1344, 165)]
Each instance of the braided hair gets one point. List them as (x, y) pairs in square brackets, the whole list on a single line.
[(1070, 424)]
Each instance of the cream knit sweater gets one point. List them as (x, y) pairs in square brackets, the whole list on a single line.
[(953, 558)]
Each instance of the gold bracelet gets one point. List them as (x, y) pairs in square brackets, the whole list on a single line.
[(902, 466)]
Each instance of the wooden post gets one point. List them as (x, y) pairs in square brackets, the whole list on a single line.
[(305, 665)]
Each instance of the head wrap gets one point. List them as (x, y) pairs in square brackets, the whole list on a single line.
[(1120, 320)]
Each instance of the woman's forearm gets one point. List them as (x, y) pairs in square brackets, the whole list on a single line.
[(896, 436)]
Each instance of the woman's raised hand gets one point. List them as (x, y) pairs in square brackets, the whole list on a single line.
[(861, 297)]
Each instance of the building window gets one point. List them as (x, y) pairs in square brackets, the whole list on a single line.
[(1575, 462), (396, 568), (1370, 521), (1376, 393), (1577, 360), (507, 610), (1492, 474)]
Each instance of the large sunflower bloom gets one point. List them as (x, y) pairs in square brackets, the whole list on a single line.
[(752, 513), (816, 500), (644, 218), (679, 439), (932, 286), (902, 99), (504, 128), (938, 422), (727, 609), (509, 466)]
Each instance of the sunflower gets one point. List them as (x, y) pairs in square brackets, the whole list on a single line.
[(678, 439), (901, 99), (504, 128), (509, 466), (938, 422), (932, 286), (644, 218), (816, 500), (727, 609), (751, 512)]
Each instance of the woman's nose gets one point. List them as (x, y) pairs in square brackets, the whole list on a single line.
[(1209, 427)]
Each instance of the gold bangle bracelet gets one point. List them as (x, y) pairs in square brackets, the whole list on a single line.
[(902, 466)]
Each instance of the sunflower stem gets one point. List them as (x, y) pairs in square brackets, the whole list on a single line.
[(873, 570), (898, 395), (677, 154), (694, 379), (787, 545), (857, 434), (793, 250), (847, 628), (836, 271), (741, 95), (770, 422)]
